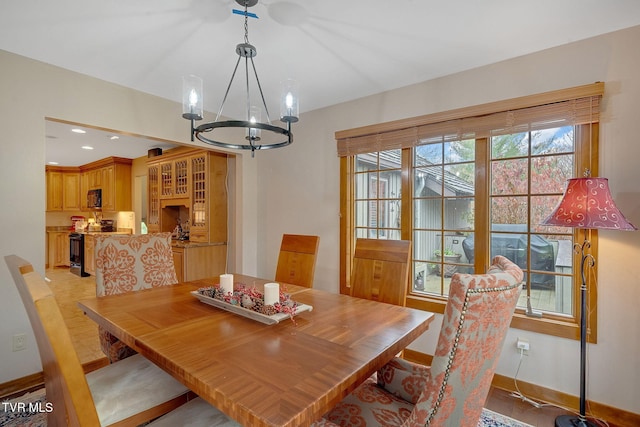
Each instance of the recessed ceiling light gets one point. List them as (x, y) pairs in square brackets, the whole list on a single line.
[(76, 130), (113, 137), (87, 147)]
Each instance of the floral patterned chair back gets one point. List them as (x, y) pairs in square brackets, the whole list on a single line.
[(453, 390), (129, 263)]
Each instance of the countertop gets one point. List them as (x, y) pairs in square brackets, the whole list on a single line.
[(59, 228), (188, 244), (67, 229)]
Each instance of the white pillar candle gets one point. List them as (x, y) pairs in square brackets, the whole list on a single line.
[(226, 283), (271, 293)]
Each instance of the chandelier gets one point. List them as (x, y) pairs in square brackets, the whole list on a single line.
[(254, 134)]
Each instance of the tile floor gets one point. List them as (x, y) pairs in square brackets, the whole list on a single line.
[(69, 289)]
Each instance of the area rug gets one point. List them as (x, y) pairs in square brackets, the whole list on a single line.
[(493, 419), (30, 410)]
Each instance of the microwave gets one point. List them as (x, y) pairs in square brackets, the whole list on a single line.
[(94, 199)]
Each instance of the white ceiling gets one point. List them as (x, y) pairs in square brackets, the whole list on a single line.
[(337, 50), (68, 148)]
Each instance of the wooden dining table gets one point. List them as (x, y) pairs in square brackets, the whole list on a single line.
[(285, 374)]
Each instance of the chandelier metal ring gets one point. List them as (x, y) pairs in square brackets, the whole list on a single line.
[(208, 127)]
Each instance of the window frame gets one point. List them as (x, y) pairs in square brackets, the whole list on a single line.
[(585, 156)]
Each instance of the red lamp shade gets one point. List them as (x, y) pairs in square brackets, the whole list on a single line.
[(587, 203)]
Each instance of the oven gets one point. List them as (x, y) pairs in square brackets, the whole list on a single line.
[(76, 254)]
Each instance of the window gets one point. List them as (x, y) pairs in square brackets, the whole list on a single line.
[(443, 212), (471, 184), (377, 195)]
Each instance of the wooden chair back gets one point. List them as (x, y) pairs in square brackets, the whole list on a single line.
[(297, 259), (66, 386), (381, 270)]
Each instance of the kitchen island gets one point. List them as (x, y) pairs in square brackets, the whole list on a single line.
[(198, 260)]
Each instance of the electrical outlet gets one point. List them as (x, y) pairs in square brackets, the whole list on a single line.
[(523, 345), (19, 342)]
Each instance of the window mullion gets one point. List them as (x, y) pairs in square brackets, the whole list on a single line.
[(406, 210), (482, 223)]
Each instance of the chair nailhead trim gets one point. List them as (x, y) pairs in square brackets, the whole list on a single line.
[(456, 340)]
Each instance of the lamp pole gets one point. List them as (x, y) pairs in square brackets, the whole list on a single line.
[(586, 258)]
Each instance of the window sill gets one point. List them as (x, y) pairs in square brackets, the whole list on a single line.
[(543, 325)]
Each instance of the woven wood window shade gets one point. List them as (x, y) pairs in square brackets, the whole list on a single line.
[(574, 106)]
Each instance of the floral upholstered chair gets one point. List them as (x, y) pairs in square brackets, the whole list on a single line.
[(129, 263), (453, 390)]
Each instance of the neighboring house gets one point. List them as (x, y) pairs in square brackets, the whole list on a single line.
[(381, 191)]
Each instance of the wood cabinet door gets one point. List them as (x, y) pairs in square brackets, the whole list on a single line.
[(84, 189), (199, 229), (166, 180), (153, 195), (89, 254), (108, 189), (55, 190), (71, 191), (59, 249), (181, 178), (178, 263)]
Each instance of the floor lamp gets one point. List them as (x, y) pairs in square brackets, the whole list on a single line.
[(586, 204)]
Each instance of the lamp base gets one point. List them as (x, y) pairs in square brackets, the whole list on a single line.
[(573, 421)]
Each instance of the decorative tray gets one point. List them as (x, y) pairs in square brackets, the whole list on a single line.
[(268, 319)]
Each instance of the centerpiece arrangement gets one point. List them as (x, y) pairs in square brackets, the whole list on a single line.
[(250, 302)]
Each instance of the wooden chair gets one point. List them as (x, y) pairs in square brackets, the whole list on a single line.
[(297, 259), (453, 390), (129, 392), (129, 263), (381, 270)]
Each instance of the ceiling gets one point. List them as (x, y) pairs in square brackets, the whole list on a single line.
[(66, 147), (337, 50)]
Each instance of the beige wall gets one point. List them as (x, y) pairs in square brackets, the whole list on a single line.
[(32, 91), (295, 190), (298, 193)]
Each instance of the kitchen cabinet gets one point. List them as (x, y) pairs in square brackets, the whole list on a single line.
[(71, 192), (113, 176), (153, 194), (109, 189), (174, 179), (89, 254), (198, 261), (54, 190), (94, 179), (63, 188), (67, 187), (58, 249), (208, 197), (202, 174)]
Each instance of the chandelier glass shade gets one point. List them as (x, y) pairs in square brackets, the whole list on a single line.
[(251, 133)]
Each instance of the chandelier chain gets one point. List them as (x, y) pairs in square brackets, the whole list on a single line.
[(246, 24)]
